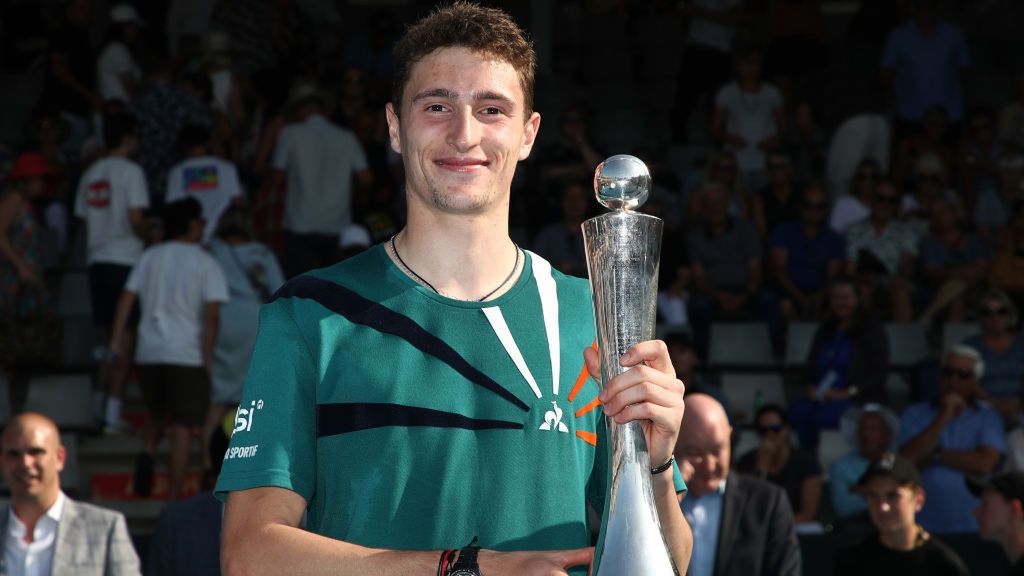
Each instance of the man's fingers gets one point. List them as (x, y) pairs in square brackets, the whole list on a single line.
[(593, 359), (654, 353), (642, 392), (576, 557), (640, 374)]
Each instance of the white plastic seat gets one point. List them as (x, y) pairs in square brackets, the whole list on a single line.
[(741, 389), (745, 345)]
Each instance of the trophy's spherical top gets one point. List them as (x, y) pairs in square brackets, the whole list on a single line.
[(622, 182)]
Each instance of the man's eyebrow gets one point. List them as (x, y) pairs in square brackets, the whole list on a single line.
[(447, 94), (435, 93)]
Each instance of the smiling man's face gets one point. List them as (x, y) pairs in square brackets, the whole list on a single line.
[(461, 130), (32, 460)]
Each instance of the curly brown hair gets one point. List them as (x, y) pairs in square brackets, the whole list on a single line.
[(488, 31)]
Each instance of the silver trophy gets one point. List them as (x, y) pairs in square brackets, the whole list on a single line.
[(623, 249)]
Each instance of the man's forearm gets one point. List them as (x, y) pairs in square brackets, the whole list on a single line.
[(282, 549), (976, 462), (920, 447), (673, 524)]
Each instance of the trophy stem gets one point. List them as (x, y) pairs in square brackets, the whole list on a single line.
[(623, 251)]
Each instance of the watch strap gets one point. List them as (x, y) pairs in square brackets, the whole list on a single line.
[(467, 559)]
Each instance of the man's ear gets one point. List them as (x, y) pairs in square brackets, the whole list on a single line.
[(393, 132), (529, 135)]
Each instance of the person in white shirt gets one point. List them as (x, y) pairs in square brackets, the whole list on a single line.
[(117, 73), (179, 288), (318, 160), (45, 532), (112, 197), (749, 119), (210, 180)]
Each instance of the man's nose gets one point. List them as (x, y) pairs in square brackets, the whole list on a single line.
[(464, 132)]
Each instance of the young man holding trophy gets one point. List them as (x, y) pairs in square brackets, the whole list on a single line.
[(427, 404)]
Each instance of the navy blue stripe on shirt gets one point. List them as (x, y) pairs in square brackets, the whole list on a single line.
[(333, 419), (360, 310)]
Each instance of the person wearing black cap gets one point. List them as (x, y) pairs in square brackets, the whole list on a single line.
[(1001, 515), (892, 488)]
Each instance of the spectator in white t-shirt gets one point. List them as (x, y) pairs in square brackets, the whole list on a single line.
[(111, 199), (318, 160), (180, 289), (117, 73), (749, 119), (210, 180)]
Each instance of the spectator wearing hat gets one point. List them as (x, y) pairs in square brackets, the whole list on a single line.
[(318, 160), (892, 488), (117, 73), (253, 275), (111, 198), (211, 180), (873, 429), (952, 437), (22, 291), (1001, 515), (180, 289)]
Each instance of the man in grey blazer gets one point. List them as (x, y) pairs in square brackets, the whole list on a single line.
[(45, 532)]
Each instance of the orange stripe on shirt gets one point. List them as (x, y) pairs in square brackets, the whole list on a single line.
[(588, 437), (582, 379), (593, 404)]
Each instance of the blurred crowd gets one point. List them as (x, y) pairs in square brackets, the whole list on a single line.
[(200, 153)]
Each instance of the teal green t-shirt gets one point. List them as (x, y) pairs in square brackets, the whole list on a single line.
[(412, 421)]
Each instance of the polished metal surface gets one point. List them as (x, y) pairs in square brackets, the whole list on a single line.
[(622, 182), (623, 250)]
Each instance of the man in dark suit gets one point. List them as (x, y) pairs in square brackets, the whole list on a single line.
[(45, 531), (741, 526)]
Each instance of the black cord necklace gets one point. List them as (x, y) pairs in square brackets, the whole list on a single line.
[(423, 281)]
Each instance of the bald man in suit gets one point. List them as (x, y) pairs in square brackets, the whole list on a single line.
[(741, 526), (45, 531)]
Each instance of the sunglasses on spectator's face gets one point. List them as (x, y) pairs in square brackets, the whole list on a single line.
[(951, 372), (999, 311), (778, 165), (772, 428), (867, 175), (929, 178), (893, 200), (815, 205)]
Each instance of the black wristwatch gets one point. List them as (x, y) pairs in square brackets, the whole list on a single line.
[(466, 564)]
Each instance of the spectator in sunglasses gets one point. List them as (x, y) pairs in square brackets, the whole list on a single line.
[(953, 261), (950, 438), (779, 200), (1002, 349), (930, 184), (852, 207), (880, 252), (779, 462), (805, 255)]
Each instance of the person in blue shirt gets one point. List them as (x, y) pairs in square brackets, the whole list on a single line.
[(923, 63), (952, 437), (805, 255), (874, 427)]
